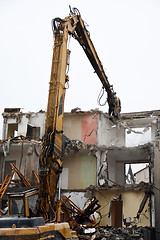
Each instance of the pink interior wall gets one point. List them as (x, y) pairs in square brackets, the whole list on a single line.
[(89, 128)]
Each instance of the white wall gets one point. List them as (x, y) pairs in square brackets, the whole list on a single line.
[(34, 119), (109, 134), (22, 126), (38, 120)]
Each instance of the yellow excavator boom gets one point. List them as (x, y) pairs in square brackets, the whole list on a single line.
[(51, 155)]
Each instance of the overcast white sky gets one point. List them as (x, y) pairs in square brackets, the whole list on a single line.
[(126, 35)]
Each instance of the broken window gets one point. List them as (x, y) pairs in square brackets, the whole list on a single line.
[(17, 206), (137, 136), (33, 132), (12, 130), (136, 173)]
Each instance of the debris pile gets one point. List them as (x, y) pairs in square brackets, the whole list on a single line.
[(16, 140), (111, 233), (77, 145), (76, 217)]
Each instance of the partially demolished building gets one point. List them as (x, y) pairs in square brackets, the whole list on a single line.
[(98, 151)]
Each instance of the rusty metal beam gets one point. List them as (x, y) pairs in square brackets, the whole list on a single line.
[(23, 179), (5, 184)]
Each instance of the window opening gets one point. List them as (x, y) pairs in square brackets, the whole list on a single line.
[(32, 205), (17, 206), (33, 132), (137, 136), (136, 173), (12, 130)]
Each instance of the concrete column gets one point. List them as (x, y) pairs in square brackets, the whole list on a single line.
[(120, 173), (157, 189)]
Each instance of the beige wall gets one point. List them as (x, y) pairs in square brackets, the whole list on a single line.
[(72, 126), (81, 170), (131, 203)]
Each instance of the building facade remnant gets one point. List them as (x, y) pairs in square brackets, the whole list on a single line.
[(98, 148)]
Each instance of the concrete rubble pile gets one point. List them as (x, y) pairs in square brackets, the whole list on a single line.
[(140, 233), (77, 145)]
